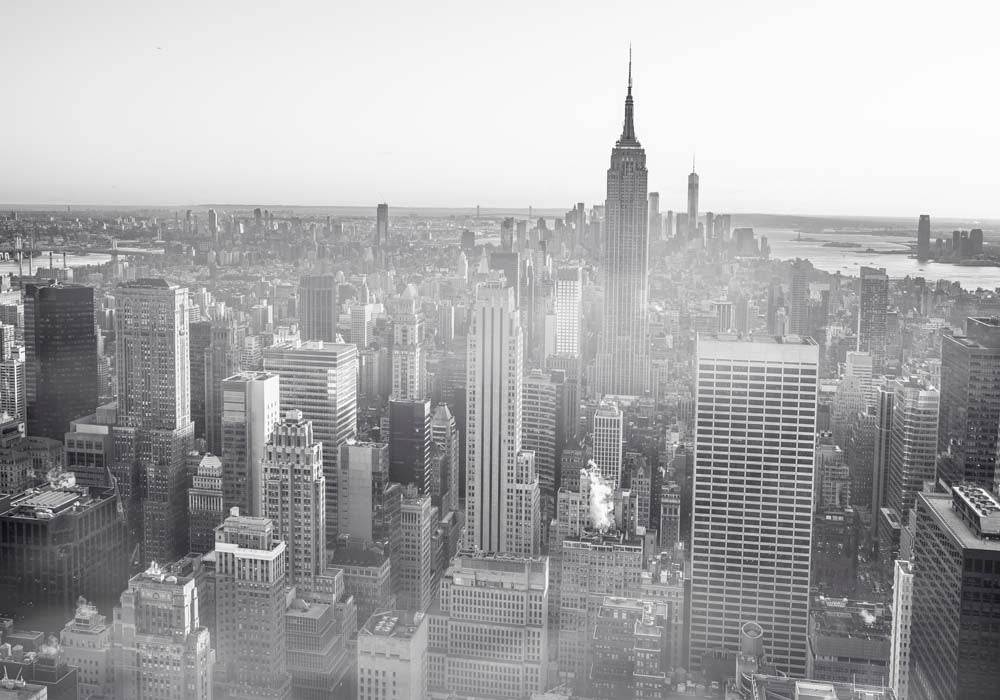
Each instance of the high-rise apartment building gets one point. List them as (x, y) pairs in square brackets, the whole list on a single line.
[(623, 360), (608, 442), (205, 504), (318, 308), (913, 441), (493, 415), (569, 310), (416, 555), (954, 643), (295, 496), (160, 649), (392, 656), (60, 341), (798, 298), (320, 379), (969, 408), (154, 432), (57, 543), (902, 619), (250, 411), (873, 307), (410, 443), (489, 635), (753, 494), (250, 580)]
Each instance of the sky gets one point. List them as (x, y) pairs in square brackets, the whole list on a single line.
[(838, 108)]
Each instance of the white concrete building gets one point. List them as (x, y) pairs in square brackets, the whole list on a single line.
[(251, 404), (902, 614), (392, 657)]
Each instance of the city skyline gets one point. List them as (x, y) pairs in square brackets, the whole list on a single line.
[(754, 130)]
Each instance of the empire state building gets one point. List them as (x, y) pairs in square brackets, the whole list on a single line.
[(623, 360)]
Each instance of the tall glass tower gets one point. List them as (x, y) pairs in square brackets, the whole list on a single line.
[(623, 361)]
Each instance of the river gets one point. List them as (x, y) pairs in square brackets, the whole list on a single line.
[(785, 246), (42, 261)]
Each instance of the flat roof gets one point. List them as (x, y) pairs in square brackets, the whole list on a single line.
[(940, 506)]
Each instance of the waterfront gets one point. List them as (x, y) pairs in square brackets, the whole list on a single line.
[(42, 262), (786, 246)]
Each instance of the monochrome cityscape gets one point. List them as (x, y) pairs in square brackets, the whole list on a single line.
[(628, 448)]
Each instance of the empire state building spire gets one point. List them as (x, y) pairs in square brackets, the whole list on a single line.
[(628, 130)]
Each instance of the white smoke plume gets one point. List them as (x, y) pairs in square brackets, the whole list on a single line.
[(868, 618), (602, 503), (50, 648)]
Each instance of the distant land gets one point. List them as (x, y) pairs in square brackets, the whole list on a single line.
[(876, 225)]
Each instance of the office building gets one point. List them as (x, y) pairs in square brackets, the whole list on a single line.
[(569, 310), (13, 386), (740, 560), (392, 656), (320, 379), (86, 645), (318, 626), (409, 381), (216, 351), (381, 225), (59, 542), (205, 504), (89, 448), (410, 443), (250, 583), (923, 242), (798, 298), (444, 434), (913, 442), (16, 473), (367, 577), (655, 219), (902, 620), (250, 411), (295, 496), (318, 308), (849, 642), (623, 358), (160, 649), (364, 478), (954, 643), (361, 325), (629, 650), (607, 443), (884, 398), (873, 307), (154, 431), (488, 637), (415, 563), (540, 405), (969, 410), (493, 415), (60, 340)]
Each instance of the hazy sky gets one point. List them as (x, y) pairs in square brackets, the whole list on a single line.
[(840, 107)]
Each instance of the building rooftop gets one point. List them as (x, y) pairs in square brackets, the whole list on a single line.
[(47, 502), (978, 508), (757, 339), (942, 508), (398, 624), (781, 688)]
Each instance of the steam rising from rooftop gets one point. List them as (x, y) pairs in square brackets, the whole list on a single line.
[(602, 504)]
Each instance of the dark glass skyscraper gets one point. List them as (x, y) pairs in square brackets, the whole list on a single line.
[(623, 360), (318, 307), (61, 353), (954, 637), (410, 443), (924, 237), (970, 404), (873, 306)]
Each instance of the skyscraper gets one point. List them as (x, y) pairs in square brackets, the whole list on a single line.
[(320, 379), (538, 433), (61, 356), (318, 307), (408, 371), (798, 298), (493, 391), (655, 220), (608, 442), (914, 435), (924, 237), (250, 579), (569, 309), (410, 443), (381, 225), (416, 555), (969, 409), (753, 563), (205, 504), (154, 431), (692, 211), (295, 496), (392, 656), (954, 643), (251, 409), (623, 360), (159, 640), (902, 619), (216, 353), (873, 306), (444, 434)]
